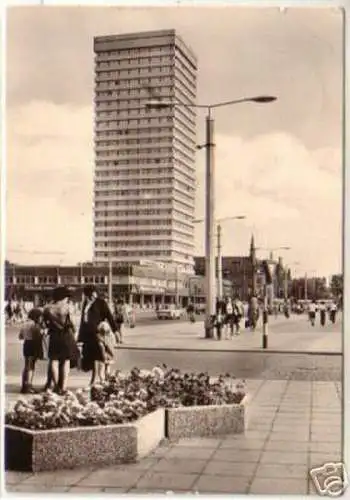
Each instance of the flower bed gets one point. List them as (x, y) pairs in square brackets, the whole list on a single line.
[(205, 421), (123, 419), (62, 448)]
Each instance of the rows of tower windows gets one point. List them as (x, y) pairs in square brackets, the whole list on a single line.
[(139, 221)]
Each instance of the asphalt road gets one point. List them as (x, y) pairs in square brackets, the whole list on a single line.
[(149, 317), (242, 364)]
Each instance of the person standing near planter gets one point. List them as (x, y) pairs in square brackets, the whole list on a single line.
[(32, 335), (107, 343), (63, 351), (95, 310)]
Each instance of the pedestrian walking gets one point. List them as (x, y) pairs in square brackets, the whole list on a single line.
[(312, 312), (190, 312), (253, 312), (322, 309), (63, 352), (119, 318), (229, 319), (238, 312), (9, 312), (286, 309), (219, 324), (95, 310), (32, 335), (220, 315), (333, 312), (17, 312)]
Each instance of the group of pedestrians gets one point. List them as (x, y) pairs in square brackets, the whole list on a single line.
[(51, 335), (322, 309), (15, 312), (227, 318)]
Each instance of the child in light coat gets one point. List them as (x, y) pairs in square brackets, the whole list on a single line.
[(107, 341)]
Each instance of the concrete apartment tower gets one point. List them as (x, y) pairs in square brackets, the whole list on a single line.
[(145, 179)]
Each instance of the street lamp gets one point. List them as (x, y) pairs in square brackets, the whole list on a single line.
[(209, 199), (305, 282), (220, 292), (312, 271)]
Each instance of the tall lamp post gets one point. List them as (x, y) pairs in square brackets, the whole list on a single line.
[(209, 198), (295, 266), (219, 222), (306, 278), (110, 281)]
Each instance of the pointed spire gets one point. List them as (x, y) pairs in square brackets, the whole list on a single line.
[(252, 244)]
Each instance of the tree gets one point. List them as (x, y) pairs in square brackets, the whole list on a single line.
[(336, 285)]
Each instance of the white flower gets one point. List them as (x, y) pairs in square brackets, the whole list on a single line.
[(158, 372)]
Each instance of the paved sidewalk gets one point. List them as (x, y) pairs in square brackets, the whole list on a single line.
[(190, 336), (292, 426)]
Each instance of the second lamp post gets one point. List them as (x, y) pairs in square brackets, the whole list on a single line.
[(209, 192)]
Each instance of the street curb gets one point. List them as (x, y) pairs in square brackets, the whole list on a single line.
[(256, 350)]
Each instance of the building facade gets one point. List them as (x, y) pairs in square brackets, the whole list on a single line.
[(137, 284), (144, 187), (247, 277), (238, 270)]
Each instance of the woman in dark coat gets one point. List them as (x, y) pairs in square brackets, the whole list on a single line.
[(95, 310), (63, 351)]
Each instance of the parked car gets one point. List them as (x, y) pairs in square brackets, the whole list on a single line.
[(200, 308), (169, 312)]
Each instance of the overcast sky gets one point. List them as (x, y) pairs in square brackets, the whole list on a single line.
[(279, 164)]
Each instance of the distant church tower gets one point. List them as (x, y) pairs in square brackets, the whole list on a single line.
[(252, 255)]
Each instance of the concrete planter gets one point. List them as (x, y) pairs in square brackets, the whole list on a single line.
[(82, 446), (205, 421)]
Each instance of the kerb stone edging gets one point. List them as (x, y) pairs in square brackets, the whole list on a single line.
[(54, 449), (205, 421)]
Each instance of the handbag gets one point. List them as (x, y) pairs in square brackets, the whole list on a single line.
[(75, 358)]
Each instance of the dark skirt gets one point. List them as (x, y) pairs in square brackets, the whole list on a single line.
[(33, 349), (63, 347), (91, 352)]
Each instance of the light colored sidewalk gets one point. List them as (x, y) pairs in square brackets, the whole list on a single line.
[(292, 426), (190, 336)]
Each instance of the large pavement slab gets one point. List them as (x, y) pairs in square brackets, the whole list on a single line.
[(292, 426)]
